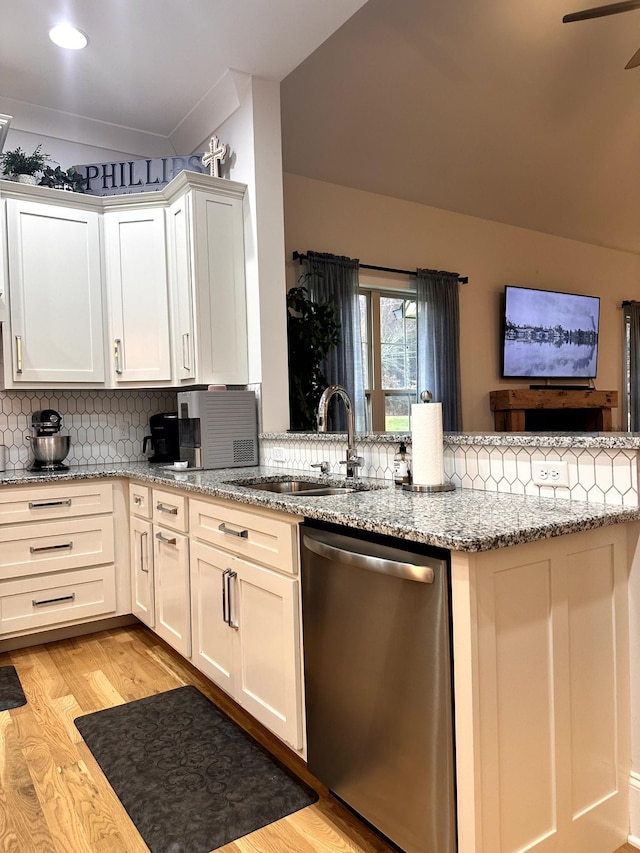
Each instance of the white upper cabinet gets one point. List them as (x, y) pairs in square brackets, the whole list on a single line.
[(207, 281), (138, 290), (138, 298), (56, 332)]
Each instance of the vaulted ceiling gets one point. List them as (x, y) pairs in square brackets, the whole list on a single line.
[(493, 108)]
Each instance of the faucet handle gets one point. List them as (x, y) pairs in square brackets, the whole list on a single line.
[(323, 466), (353, 463)]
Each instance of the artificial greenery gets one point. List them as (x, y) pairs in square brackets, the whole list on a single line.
[(313, 328), (58, 178), (18, 162)]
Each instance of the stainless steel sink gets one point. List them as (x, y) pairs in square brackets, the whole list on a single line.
[(297, 488)]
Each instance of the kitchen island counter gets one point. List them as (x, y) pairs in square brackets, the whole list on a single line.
[(463, 520)]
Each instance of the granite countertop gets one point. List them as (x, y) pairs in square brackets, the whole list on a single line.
[(462, 520), (596, 440)]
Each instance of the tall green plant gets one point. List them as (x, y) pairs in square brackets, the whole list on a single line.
[(313, 329)]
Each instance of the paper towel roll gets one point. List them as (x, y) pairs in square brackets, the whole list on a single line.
[(427, 444)]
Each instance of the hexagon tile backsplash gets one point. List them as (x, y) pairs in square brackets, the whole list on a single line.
[(104, 426)]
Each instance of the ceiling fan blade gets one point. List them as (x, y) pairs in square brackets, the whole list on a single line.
[(601, 11), (634, 62)]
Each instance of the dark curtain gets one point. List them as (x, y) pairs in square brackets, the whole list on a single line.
[(632, 356), (334, 277), (438, 331)]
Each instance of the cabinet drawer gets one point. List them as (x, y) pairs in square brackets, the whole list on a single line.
[(265, 538), (43, 503), (140, 500), (170, 510), (38, 602), (29, 549)]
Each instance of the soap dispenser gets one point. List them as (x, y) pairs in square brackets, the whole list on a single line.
[(401, 466)]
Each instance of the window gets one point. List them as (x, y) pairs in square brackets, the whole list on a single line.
[(388, 323)]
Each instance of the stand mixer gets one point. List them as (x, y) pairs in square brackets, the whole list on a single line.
[(48, 447)]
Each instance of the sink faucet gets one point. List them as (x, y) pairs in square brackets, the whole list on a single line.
[(353, 461)]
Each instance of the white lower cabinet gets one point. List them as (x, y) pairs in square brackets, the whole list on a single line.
[(57, 556), (142, 586), (542, 695), (171, 579), (245, 636)]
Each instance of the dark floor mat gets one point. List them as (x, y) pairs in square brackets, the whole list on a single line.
[(189, 777), (11, 692)]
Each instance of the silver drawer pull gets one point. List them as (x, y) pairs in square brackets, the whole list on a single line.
[(66, 546), (44, 504), (143, 551), (243, 534), (53, 600), (171, 510), (166, 539)]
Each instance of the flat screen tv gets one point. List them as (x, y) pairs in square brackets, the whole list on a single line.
[(547, 334)]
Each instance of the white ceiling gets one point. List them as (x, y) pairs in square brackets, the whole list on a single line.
[(151, 63), (488, 107), (493, 108)]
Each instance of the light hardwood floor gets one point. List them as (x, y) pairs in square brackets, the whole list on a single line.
[(54, 797)]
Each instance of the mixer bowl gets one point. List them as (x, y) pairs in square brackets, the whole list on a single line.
[(48, 449)]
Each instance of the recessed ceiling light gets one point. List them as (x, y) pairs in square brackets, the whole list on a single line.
[(64, 35)]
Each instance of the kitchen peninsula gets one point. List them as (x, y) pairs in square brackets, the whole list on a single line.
[(540, 642)]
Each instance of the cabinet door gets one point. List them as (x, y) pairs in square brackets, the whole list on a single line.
[(138, 295), (221, 315), (55, 295), (213, 640), (172, 588), (265, 610), (181, 289), (142, 592)]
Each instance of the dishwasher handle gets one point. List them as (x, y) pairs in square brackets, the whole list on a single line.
[(405, 571)]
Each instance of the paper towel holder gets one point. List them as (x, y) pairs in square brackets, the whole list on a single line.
[(427, 397)]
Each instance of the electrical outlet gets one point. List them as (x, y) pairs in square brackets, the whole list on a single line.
[(123, 430), (555, 474), (278, 454)]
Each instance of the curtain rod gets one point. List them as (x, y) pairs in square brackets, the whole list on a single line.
[(463, 279)]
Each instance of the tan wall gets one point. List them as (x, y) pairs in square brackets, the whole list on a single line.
[(394, 233)]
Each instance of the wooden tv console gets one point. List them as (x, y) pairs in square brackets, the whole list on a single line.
[(555, 410)]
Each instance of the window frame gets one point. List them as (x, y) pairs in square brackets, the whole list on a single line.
[(374, 286)]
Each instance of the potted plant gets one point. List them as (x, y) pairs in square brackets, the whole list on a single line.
[(23, 167), (63, 179), (313, 328)]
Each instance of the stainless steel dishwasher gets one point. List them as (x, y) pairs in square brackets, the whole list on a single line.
[(377, 666)]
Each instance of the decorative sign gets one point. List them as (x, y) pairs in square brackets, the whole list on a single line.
[(137, 176), (217, 152)]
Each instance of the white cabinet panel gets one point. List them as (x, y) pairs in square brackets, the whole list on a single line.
[(142, 585), (56, 326), (246, 636), (542, 695), (180, 246), (137, 287), (172, 588)]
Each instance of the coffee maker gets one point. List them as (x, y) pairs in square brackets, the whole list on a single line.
[(163, 440)]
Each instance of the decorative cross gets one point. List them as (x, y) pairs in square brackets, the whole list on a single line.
[(216, 153)]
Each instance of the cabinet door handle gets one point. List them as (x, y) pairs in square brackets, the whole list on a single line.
[(143, 551), (230, 576), (225, 618), (67, 546), (167, 540), (42, 504), (186, 352), (170, 510), (243, 534), (36, 603), (18, 353), (117, 343), (137, 499)]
